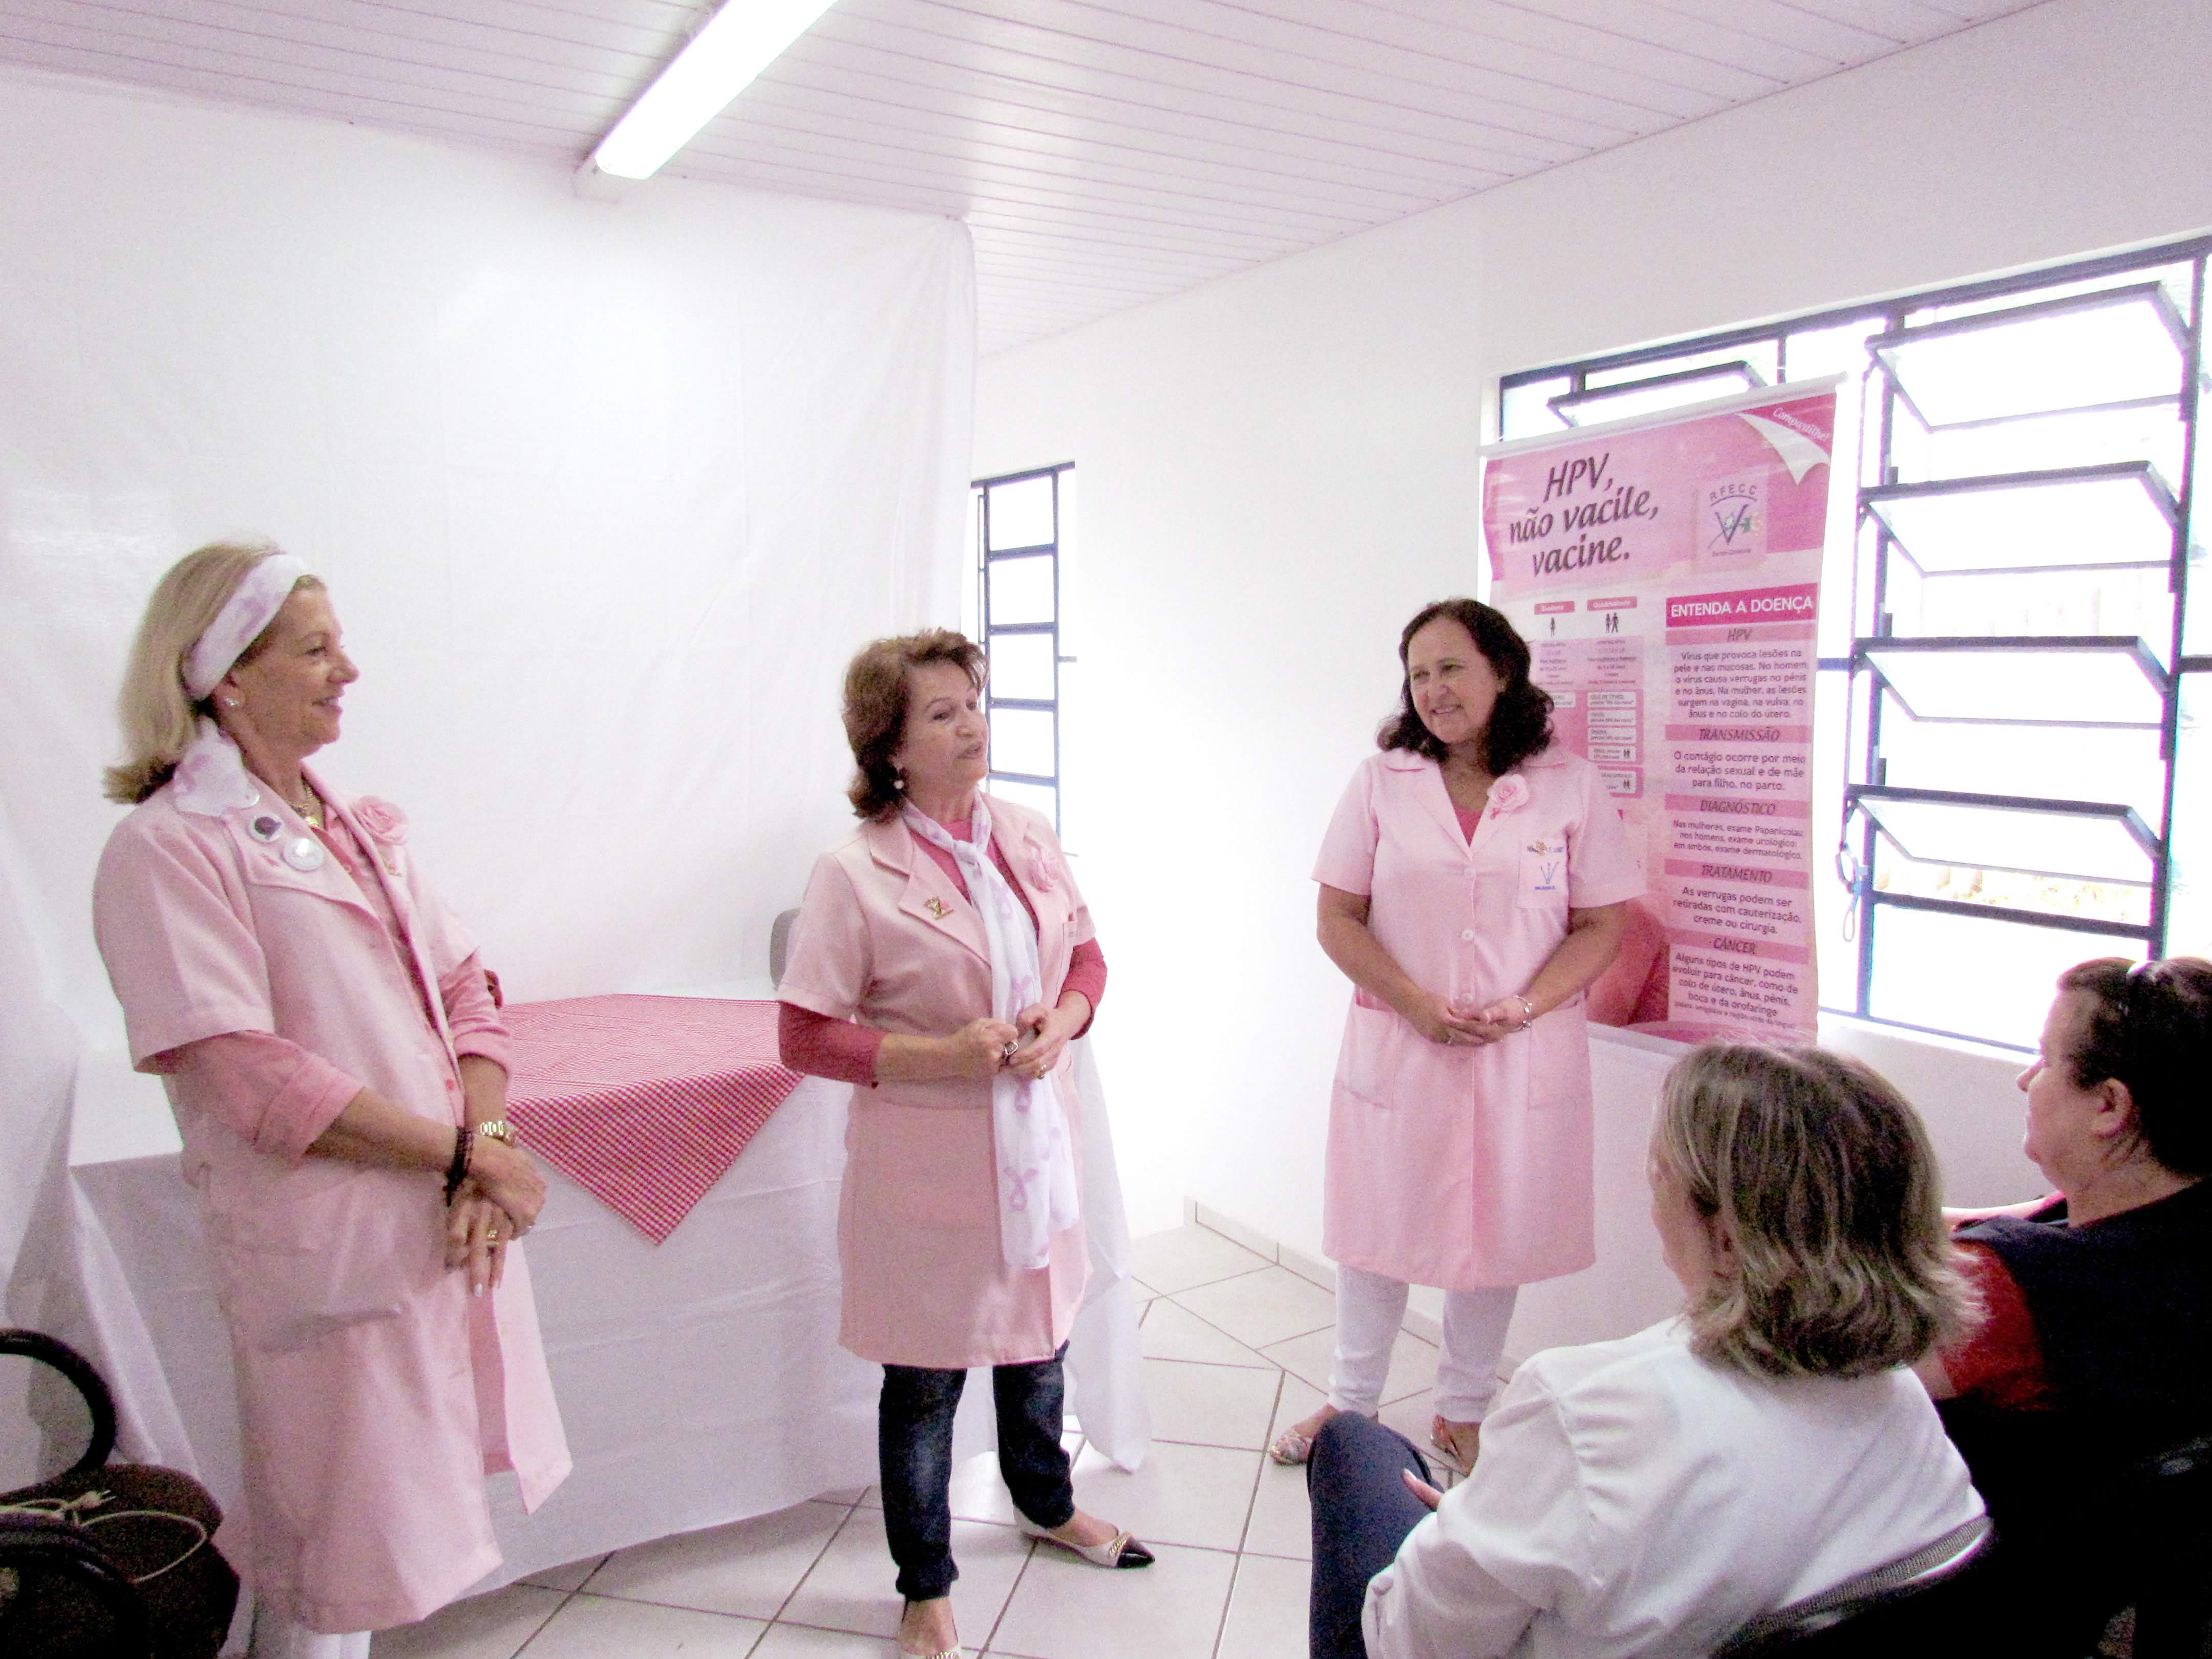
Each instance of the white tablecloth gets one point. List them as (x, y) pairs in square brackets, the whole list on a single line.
[(700, 1380)]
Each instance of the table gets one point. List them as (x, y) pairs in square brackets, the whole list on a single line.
[(645, 1101), (700, 1380)]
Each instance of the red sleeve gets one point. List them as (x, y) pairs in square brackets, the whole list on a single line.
[(1999, 1361), (271, 1092), (1087, 972), (471, 1014), (840, 1049)]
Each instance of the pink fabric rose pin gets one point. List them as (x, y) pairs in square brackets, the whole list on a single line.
[(387, 826), (381, 819), (1041, 877), (1507, 793)]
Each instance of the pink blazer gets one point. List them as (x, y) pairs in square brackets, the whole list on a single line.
[(883, 937), (373, 1391)]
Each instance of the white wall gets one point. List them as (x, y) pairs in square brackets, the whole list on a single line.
[(1278, 468), (605, 495)]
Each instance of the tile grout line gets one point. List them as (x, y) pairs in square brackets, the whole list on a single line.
[(1242, 1272), (1012, 1590), (1236, 1552), (777, 1618), (1241, 1342), (567, 1596), (1274, 1410), (798, 1582)]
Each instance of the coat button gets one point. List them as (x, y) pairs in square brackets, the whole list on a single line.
[(1466, 934)]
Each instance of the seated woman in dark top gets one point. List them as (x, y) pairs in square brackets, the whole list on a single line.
[(2097, 1336)]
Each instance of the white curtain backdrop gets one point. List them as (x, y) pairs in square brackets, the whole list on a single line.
[(605, 495)]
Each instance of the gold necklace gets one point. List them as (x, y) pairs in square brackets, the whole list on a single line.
[(310, 810)]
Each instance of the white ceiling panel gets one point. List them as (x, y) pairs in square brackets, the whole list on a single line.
[(1104, 152)]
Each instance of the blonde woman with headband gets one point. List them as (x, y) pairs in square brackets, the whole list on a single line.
[(337, 1070)]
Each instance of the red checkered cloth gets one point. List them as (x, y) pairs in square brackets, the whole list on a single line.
[(644, 1102)]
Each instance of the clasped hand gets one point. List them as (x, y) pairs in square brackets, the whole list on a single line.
[(1438, 1021), (1037, 1035), (494, 1206)]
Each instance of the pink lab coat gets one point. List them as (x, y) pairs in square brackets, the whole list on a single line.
[(884, 936), (1467, 1167), (374, 1393)]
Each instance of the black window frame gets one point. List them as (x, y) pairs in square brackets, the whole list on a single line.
[(986, 559), (1860, 680)]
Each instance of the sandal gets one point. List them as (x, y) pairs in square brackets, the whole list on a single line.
[(1456, 1445), (1119, 1551), (1294, 1445)]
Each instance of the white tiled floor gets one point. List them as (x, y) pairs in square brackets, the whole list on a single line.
[(1235, 1347)]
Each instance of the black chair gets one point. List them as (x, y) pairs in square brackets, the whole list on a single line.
[(1918, 1603), (2170, 1499), (108, 1561)]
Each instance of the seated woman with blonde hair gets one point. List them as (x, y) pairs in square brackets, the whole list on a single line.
[(1650, 1496)]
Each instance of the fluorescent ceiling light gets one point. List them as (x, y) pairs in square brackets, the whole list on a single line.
[(740, 40)]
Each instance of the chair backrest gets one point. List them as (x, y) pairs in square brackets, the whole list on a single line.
[(1901, 1607), (2171, 1495), (78, 1370), (779, 944), (112, 1559)]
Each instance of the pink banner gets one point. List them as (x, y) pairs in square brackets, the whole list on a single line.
[(1666, 573)]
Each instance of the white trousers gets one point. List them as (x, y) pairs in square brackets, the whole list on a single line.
[(276, 1636), (1369, 1309)]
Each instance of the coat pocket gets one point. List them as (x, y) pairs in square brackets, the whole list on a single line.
[(1365, 1061), (923, 1164), (303, 1256)]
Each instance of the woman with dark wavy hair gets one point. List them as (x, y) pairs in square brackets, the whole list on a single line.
[(1474, 880)]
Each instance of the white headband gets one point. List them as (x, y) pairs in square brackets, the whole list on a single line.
[(260, 596)]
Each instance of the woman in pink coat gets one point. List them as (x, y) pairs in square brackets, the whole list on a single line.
[(328, 1042), (942, 960), (1474, 880)]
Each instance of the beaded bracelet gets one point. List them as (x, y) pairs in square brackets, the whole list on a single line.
[(465, 1140)]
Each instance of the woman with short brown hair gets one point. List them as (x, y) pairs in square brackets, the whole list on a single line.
[(943, 960)]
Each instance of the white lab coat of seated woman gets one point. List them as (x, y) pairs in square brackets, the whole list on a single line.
[(1650, 1496), (1632, 1498)]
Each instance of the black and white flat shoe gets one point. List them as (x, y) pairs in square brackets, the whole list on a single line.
[(1119, 1551)]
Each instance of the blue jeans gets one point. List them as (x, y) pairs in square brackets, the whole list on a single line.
[(914, 1449), (1361, 1513)]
